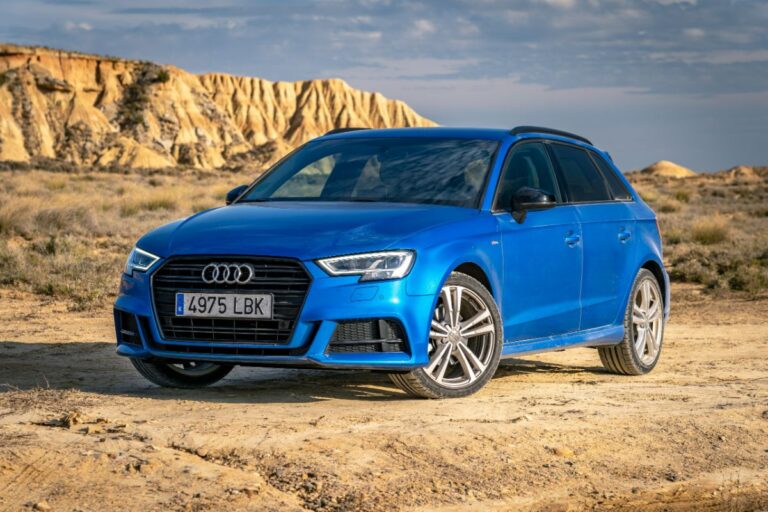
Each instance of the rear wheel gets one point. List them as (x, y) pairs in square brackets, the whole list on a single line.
[(639, 352), (464, 343), (190, 374)]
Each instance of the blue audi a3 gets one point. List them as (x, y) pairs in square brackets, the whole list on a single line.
[(426, 253)]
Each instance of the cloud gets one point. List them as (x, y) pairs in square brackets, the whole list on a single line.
[(695, 33), (87, 27), (558, 44), (560, 4), (722, 57), (422, 28), (676, 2)]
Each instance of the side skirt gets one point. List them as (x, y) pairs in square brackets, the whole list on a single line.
[(600, 336)]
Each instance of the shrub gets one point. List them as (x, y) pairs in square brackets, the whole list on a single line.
[(712, 230), (67, 219), (750, 278), (162, 76), (673, 238), (668, 207), (683, 196)]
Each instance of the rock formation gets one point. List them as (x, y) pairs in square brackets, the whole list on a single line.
[(102, 111)]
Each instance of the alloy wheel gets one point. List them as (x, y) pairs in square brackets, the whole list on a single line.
[(462, 338), (647, 318), (194, 368)]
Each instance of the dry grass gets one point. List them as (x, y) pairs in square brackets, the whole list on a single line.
[(67, 235), (715, 229), (709, 231)]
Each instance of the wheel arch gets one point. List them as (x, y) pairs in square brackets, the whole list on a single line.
[(474, 270), (655, 268)]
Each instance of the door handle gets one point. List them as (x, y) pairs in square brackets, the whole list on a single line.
[(624, 236), (572, 240)]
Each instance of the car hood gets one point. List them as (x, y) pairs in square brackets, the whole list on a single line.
[(303, 230)]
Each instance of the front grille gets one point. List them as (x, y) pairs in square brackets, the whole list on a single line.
[(372, 335), (285, 279)]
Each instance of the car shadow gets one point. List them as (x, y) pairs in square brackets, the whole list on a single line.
[(515, 366), (93, 367)]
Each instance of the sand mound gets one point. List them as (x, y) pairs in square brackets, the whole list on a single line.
[(742, 172), (668, 169)]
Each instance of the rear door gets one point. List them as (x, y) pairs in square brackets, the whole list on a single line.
[(542, 255), (607, 229)]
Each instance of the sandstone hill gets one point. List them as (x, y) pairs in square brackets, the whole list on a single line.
[(93, 110), (668, 169)]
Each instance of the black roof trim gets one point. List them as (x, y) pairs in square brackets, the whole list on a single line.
[(517, 130), (343, 130)]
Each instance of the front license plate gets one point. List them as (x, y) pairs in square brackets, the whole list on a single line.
[(224, 305)]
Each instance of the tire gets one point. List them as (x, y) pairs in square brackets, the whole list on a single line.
[(190, 375), (636, 356), (460, 365)]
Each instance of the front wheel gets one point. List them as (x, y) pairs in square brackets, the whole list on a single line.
[(190, 374), (640, 349), (464, 343)]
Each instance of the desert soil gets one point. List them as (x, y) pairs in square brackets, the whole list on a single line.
[(80, 430)]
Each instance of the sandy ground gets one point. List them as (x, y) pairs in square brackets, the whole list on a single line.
[(80, 430)]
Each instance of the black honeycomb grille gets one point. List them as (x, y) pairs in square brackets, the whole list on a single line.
[(370, 336), (285, 279)]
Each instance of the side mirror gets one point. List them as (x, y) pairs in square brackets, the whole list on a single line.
[(527, 199), (235, 193)]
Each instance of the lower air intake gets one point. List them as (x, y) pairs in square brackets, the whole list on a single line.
[(374, 335)]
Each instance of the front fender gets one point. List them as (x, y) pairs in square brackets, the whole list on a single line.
[(435, 261)]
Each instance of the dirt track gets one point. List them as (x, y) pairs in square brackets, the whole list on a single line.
[(80, 430)]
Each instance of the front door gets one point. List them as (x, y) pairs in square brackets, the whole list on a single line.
[(542, 255)]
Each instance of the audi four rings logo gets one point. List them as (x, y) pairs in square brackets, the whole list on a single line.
[(228, 273)]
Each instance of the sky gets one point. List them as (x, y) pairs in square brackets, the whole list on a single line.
[(681, 80)]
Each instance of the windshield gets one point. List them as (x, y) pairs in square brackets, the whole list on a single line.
[(432, 171)]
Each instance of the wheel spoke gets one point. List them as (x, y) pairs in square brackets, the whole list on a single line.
[(444, 351), (650, 341), (456, 305), (474, 320), (654, 311), (640, 342), (437, 326), (447, 305), (637, 315), (645, 295), (483, 329), (473, 359), (434, 335), (464, 362), (443, 367)]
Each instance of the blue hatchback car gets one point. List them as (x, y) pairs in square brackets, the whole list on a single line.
[(427, 253)]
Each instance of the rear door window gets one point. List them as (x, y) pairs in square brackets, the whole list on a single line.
[(582, 181), (618, 189)]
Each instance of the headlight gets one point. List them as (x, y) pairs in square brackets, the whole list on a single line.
[(372, 266), (139, 260)]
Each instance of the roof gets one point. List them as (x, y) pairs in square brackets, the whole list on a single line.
[(457, 133), (437, 131)]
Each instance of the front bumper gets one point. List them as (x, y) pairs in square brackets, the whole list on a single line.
[(329, 301)]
